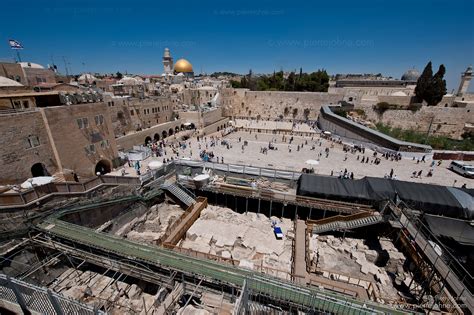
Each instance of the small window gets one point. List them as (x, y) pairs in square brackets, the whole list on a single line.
[(17, 104), (32, 141), (82, 123), (26, 104), (99, 120), (131, 112), (90, 149), (104, 144)]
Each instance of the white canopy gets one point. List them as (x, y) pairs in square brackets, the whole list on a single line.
[(327, 132), (201, 177), (312, 162), (37, 181), (154, 165)]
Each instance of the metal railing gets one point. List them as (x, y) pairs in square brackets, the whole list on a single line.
[(23, 198), (447, 266), (28, 297), (242, 169)]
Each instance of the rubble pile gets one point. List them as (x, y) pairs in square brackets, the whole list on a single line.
[(352, 260), (150, 226), (248, 238)]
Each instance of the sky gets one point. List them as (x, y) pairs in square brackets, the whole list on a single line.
[(341, 36)]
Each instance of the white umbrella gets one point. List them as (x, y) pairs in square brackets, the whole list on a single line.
[(312, 162), (37, 181), (154, 165), (327, 132)]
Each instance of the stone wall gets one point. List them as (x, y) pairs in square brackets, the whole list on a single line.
[(198, 96), (447, 121), (208, 117), (131, 114), (190, 117), (212, 116), (33, 74), (71, 142), (137, 138), (13, 71), (272, 104), (16, 157), (217, 126)]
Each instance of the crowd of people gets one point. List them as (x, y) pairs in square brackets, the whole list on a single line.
[(209, 148)]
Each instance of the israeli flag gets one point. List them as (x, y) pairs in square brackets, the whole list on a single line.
[(15, 44)]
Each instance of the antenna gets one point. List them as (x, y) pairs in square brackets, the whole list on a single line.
[(65, 66)]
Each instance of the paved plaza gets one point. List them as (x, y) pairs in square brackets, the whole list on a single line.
[(337, 160)]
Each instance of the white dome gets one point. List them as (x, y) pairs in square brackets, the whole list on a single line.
[(8, 82), (399, 93), (130, 81), (411, 75), (31, 65), (87, 76)]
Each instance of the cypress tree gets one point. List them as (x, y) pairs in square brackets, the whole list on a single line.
[(423, 83), (438, 87)]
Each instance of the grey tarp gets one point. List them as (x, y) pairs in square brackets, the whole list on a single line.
[(434, 199)]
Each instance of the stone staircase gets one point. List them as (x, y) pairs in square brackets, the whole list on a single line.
[(347, 225), (179, 192)]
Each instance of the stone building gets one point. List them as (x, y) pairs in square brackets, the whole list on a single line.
[(45, 137), (199, 96), (13, 71), (129, 114), (36, 74)]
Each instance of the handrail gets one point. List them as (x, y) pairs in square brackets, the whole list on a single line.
[(335, 206), (32, 195), (45, 301), (420, 234), (350, 217)]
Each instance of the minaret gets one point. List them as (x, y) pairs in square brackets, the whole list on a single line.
[(465, 80), (168, 62)]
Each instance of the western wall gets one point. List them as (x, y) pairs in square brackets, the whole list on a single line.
[(449, 121)]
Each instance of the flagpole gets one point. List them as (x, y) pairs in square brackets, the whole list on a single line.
[(18, 55)]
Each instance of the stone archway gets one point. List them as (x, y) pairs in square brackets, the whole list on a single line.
[(103, 167), (164, 133), (192, 126), (147, 140), (218, 128), (170, 132), (182, 127), (156, 137), (176, 129), (39, 169)]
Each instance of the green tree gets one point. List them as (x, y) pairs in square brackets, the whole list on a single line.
[(423, 82), (429, 88), (437, 88), (118, 75), (236, 84)]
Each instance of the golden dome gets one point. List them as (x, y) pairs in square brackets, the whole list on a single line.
[(182, 65)]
